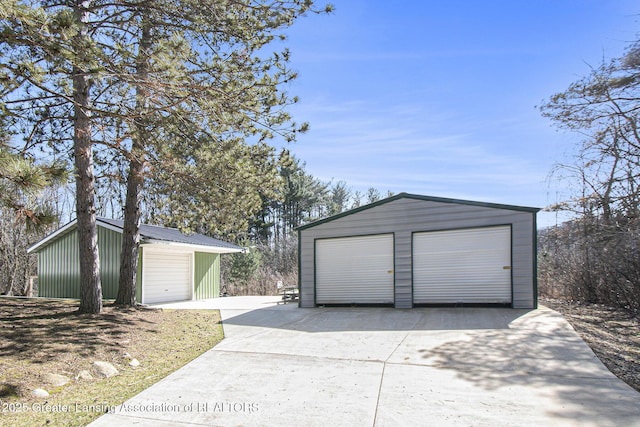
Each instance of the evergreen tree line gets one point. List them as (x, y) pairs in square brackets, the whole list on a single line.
[(303, 198), (271, 239), (296, 198)]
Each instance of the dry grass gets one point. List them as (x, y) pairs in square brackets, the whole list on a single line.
[(42, 336), (612, 333)]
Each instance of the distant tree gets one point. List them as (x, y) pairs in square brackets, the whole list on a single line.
[(356, 199), (278, 263), (339, 197), (373, 195), (303, 197), (243, 267)]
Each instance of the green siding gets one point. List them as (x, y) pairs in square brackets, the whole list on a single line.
[(110, 247), (59, 268), (59, 265), (207, 275)]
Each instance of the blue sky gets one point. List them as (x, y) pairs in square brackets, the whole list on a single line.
[(439, 97)]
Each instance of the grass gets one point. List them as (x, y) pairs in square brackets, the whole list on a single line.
[(44, 336)]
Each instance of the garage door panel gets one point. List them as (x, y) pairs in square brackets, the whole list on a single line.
[(355, 270), (167, 276), (469, 266)]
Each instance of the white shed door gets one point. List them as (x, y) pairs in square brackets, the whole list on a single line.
[(462, 266), (355, 270), (166, 276)]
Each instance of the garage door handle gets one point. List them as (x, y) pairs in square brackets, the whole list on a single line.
[(390, 271), (506, 267)]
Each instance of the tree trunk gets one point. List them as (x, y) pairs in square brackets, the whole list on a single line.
[(131, 233), (130, 236), (90, 286), (135, 179)]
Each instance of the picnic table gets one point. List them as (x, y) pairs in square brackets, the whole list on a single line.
[(289, 294)]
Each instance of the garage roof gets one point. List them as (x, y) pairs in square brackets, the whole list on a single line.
[(151, 234), (419, 197)]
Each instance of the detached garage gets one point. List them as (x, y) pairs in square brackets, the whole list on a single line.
[(410, 250), (172, 266)]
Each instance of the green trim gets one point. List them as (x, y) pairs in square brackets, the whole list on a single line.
[(535, 261), (315, 273), (412, 246), (511, 264), (418, 197), (395, 270), (300, 271)]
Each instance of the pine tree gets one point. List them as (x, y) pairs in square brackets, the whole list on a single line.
[(22, 180), (124, 76), (223, 88)]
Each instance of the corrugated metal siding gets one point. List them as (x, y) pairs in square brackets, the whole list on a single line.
[(207, 275), (59, 265), (402, 270), (462, 266), (355, 270), (59, 268), (167, 275), (405, 216), (109, 247)]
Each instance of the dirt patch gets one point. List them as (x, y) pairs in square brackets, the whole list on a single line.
[(40, 337), (612, 333)]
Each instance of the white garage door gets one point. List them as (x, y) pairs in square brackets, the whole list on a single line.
[(462, 266), (355, 270), (166, 276)]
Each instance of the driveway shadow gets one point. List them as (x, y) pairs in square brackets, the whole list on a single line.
[(541, 360), (360, 319), (527, 360)]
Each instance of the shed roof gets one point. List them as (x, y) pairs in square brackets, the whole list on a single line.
[(149, 234), (418, 197)]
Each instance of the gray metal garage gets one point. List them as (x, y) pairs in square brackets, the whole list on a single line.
[(410, 250)]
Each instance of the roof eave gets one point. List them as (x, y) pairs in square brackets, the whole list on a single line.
[(190, 246), (109, 226), (418, 197), (71, 225), (60, 231)]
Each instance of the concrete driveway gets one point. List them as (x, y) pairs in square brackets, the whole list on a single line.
[(282, 365)]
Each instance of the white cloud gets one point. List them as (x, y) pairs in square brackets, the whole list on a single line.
[(408, 148)]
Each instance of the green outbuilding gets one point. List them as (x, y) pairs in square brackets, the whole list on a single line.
[(172, 266)]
